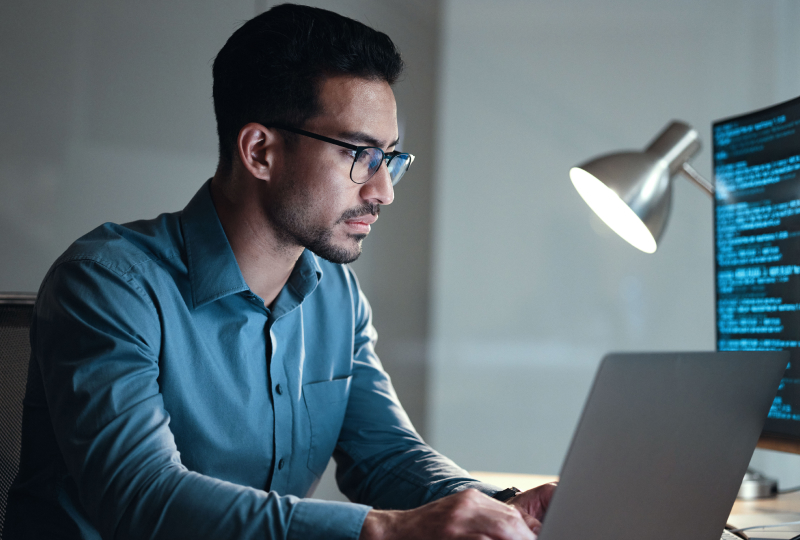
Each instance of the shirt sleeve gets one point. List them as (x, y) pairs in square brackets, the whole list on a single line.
[(381, 459), (96, 339)]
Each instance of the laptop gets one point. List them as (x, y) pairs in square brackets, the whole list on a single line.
[(662, 445)]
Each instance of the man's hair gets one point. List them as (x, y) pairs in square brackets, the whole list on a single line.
[(270, 70)]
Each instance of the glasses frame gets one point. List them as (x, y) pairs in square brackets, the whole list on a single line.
[(387, 157)]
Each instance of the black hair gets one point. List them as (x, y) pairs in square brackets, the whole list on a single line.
[(271, 68)]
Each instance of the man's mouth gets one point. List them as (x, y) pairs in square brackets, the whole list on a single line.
[(361, 224), (369, 219), (358, 220)]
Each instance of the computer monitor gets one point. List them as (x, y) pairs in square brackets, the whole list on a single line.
[(757, 249)]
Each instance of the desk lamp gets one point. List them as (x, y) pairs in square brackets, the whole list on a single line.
[(631, 191)]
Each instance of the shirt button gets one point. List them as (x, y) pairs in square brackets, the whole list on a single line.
[(281, 464), (279, 390)]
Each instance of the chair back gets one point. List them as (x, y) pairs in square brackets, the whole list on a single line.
[(15, 351)]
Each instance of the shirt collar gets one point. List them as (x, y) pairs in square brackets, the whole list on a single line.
[(304, 278), (213, 271)]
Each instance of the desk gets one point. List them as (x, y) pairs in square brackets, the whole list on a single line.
[(778, 509), (743, 514)]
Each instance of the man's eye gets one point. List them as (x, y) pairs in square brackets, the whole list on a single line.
[(366, 157), (349, 153)]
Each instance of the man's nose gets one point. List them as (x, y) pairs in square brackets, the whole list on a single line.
[(379, 188)]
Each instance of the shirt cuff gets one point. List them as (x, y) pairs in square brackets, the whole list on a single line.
[(314, 519)]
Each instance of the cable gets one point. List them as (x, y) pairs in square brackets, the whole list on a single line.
[(790, 490), (767, 527), (739, 534), (729, 528)]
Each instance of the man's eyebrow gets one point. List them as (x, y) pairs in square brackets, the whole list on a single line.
[(364, 139)]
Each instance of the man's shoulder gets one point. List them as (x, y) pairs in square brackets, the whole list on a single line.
[(122, 248)]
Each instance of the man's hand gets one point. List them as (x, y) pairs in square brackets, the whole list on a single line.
[(469, 514), (533, 504)]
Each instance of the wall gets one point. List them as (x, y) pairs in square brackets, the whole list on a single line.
[(529, 288), (106, 117)]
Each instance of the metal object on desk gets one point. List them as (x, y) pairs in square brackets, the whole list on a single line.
[(757, 486)]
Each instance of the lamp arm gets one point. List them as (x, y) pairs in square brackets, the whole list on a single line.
[(689, 172)]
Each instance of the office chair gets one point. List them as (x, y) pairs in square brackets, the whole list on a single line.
[(15, 351)]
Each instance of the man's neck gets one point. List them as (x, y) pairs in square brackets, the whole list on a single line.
[(265, 261)]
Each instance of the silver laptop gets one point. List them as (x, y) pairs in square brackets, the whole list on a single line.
[(662, 445)]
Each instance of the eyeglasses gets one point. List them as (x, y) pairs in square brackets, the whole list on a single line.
[(367, 159)]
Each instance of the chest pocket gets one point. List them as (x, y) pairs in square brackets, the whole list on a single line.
[(326, 403)]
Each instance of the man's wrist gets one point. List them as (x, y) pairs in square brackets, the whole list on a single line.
[(377, 525)]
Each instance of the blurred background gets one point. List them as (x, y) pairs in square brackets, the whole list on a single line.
[(495, 290)]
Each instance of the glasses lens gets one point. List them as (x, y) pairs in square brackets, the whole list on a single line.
[(398, 166), (369, 160), (366, 164)]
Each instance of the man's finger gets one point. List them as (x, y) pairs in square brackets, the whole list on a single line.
[(499, 521), (517, 522), (532, 523)]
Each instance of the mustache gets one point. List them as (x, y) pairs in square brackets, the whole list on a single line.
[(363, 210)]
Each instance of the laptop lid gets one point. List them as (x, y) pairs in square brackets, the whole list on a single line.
[(662, 445)]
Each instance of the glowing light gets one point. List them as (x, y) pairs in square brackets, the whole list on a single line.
[(612, 210)]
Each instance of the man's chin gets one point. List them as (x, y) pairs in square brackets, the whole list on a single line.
[(338, 254), (358, 238)]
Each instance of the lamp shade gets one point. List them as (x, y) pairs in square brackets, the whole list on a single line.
[(632, 191)]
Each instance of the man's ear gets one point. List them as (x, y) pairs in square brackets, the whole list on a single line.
[(258, 149)]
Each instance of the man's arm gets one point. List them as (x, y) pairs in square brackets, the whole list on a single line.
[(382, 461), (96, 339)]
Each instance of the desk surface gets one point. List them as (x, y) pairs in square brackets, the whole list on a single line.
[(744, 513), (780, 509)]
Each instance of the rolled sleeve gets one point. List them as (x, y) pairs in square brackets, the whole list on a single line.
[(327, 520)]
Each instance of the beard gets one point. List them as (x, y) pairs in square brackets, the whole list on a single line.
[(291, 212)]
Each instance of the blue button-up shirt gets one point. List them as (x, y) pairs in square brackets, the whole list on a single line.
[(166, 401)]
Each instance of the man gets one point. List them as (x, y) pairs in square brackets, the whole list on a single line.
[(193, 374)]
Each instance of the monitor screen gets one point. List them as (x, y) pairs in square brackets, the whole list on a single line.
[(757, 244)]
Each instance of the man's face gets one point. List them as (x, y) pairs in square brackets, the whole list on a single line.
[(314, 203)]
